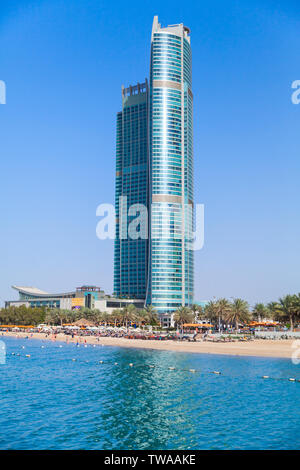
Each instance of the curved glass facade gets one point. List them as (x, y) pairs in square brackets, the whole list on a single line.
[(171, 282), (155, 167)]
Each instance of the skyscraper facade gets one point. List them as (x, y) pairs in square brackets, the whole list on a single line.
[(132, 187), (169, 279)]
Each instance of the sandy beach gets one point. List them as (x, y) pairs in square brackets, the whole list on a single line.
[(258, 347)]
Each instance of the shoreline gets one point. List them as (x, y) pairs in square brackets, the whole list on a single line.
[(256, 348)]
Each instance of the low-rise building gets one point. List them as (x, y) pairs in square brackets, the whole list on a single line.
[(85, 296)]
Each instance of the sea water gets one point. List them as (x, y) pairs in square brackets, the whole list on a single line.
[(63, 397)]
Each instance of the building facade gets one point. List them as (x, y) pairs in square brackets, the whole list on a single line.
[(171, 155), (83, 297), (132, 191), (166, 266)]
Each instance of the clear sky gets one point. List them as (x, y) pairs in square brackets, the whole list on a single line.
[(64, 62)]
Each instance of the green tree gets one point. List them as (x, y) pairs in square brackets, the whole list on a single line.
[(273, 311), (217, 311), (22, 315), (210, 311), (183, 315), (260, 311), (97, 316), (116, 316), (288, 308), (128, 314), (238, 313), (150, 315), (139, 317)]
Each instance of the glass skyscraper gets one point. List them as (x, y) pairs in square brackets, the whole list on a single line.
[(132, 187), (166, 274)]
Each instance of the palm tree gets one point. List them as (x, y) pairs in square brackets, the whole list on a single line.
[(139, 317), (48, 317), (217, 310), (86, 313), (223, 310), (210, 310), (116, 316), (194, 310), (198, 311), (53, 316), (288, 308), (150, 314), (272, 308), (98, 317), (128, 313), (260, 311), (106, 318), (68, 316), (183, 315), (239, 312), (297, 306)]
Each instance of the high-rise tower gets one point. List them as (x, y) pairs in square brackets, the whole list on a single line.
[(170, 282), (132, 186), (169, 175)]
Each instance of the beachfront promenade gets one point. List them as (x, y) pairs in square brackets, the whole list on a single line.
[(257, 347)]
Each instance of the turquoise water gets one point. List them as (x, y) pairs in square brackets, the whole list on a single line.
[(49, 401)]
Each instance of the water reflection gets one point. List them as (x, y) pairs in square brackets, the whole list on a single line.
[(82, 404)]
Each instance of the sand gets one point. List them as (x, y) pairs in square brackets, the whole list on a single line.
[(257, 347)]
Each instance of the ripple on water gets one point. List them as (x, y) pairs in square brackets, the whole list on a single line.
[(49, 401)]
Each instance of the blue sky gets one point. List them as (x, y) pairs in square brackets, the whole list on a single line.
[(64, 63)]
